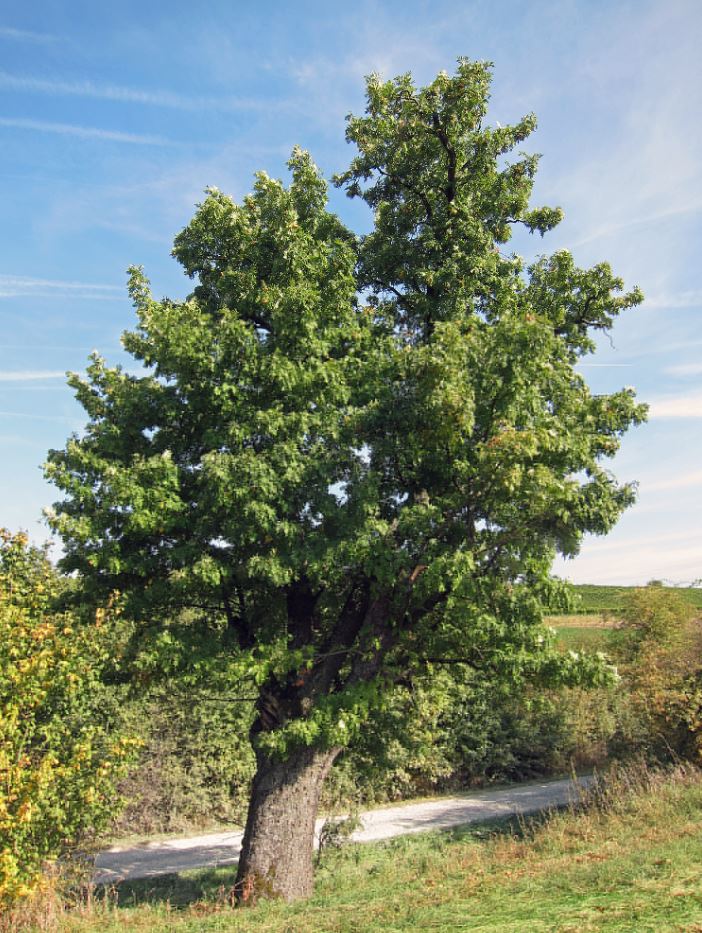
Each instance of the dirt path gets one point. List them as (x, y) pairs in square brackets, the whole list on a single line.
[(175, 855)]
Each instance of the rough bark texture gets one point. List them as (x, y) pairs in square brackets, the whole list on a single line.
[(277, 851)]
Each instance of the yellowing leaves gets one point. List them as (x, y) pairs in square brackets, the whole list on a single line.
[(57, 772)]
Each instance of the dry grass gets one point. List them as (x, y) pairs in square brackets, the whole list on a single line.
[(592, 620)]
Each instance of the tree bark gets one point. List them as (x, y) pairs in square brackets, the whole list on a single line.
[(277, 852)]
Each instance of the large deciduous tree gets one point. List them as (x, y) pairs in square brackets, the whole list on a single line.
[(354, 457)]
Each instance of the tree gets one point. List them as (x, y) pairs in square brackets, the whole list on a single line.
[(355, 457)]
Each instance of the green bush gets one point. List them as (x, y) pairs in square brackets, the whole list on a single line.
[(444, 735), (196, 762)]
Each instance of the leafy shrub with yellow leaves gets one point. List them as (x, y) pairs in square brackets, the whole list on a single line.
[(658, 646), (58, 766)]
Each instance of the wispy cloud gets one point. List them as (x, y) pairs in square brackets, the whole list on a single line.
[(684, 369), (25, 35), (31, 375), (676, 557), (684, 481), (17, 286), (686, 299), (31, 416), (677, 406), (54, 346), (613, 542), (616, 228), (131, 95), (12, 440), (84, 132)]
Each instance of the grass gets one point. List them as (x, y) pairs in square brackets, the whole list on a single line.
[(582, 638), (582, 632), (631, 861), (596, 620)]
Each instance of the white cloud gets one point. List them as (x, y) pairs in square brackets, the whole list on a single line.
[(158, 98), (30, 375), (686, 299), (684, 369), (618, 540), (17, 286), (159, 200), (51, 346), (25, 35), (603, 365), (684, 481), (12, 440), (677, 406), (635, 199), (614, 229), (84, 132), (630, 561), (25, 415)]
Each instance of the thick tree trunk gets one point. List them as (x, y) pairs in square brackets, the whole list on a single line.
[(277, 852)]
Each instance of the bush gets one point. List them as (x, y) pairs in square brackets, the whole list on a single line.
[(196, 762), (57, 766), (658, 643), (443, 734)]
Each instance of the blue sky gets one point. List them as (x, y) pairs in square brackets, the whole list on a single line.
[(115, 117)]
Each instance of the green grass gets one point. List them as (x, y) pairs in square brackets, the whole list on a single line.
[(582, 638), (591, 598), (581, 632), (633, 865)]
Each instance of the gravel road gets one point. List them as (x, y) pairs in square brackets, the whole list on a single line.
[(175, 855)]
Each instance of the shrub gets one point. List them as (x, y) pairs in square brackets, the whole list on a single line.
[(196, 763), (658, 643), (57, 767), (444, 734)]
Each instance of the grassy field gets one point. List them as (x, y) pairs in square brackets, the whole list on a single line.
[(595, 599), (633, 863), (582, 632), (587, 628), (582, 637)]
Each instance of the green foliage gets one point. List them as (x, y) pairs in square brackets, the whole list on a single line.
[(650, 620), (58, 767), (195, 765), (196, 762), (444, 734)]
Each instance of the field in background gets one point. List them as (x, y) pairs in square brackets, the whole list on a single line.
[(633, 862), (596, 599), (587, 627)]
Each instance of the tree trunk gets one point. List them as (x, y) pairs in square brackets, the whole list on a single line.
[(277, 852)]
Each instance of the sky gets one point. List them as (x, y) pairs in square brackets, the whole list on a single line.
[(114, 118)]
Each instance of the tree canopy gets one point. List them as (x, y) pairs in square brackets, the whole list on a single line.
[(353, 457)]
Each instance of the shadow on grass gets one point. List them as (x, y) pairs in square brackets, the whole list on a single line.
[(211, 885), (519, 825), (214, 885)]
